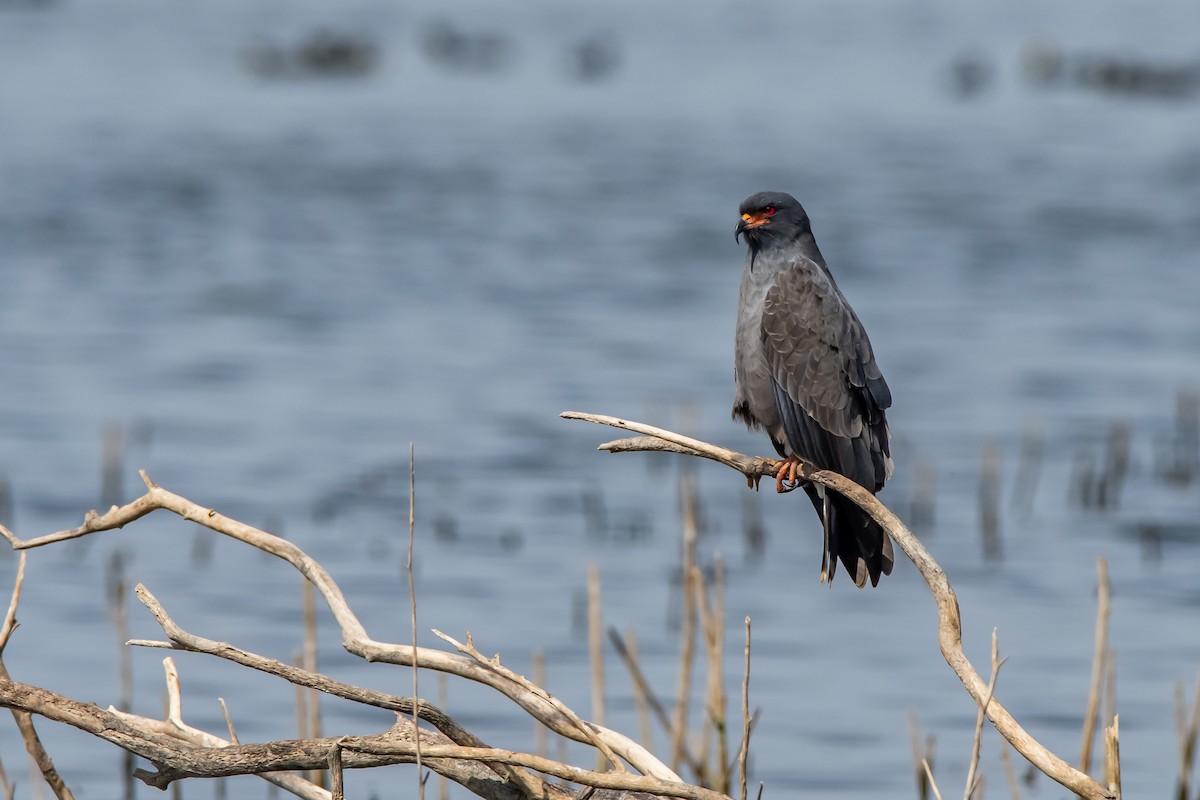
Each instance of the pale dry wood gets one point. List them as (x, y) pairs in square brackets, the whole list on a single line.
[(10, 616), (335, 771), (1010, 774), (587, 728), (118, 611), (5, 784), (949, 617), (922, 752), (687, 621), (929, 776), (443, 696), (744, 752), (33, 744), (1112, 757), (168, 747), (595, 625), (1099, 661), (311, 707), (181, 639), (625, 781), (228, 721), (1187, 727), (174, 693), (712, 619), (641, 702), (174, 727), (539, 677), (643, 688), (997, 662), (295, 784), (412, 598), (154, 745), (354, 636)]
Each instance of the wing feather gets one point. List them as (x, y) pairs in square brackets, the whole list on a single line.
[(829, 389)]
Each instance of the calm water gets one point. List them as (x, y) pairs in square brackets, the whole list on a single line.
[(274, 284)]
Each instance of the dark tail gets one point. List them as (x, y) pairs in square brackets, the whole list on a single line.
[(852, 537)]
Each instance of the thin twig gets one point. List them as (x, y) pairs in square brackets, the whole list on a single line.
[(312, 700), (228, 721), (712, 617), (596, 650), (412, 598), (5, 784), (174, 695), (932, 783), (1187, 728), (1010, 775), (494, 663), (643, 688), (641, 699), (10, 616), (1029, 468), (687, 621), (920, 754), (744, 752), (302, 716), (1112, 758), (539, 677), (997, 662), (38, 756), (1098, 663), (949, 617), (989, 501), (119, 613)]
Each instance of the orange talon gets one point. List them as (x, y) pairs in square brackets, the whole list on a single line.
[(785, 476)]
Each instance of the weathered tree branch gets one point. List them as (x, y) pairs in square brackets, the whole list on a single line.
[(949, 618), (455, 734), (490, 773), (395, 746), (179, 751), (354, 636)]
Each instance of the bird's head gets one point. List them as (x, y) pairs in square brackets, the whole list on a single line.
[(771, 216)]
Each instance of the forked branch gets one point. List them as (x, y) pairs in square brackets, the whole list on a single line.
[(450, 750), (949, 618)]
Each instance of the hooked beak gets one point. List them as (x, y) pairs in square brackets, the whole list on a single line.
[(748, 222)]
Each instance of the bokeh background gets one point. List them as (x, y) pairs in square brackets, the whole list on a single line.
[(261, 247)]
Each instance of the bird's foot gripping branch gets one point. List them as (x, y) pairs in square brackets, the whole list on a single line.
[(949, 620)]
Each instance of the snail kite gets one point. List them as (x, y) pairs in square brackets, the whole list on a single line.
[(805, 374)]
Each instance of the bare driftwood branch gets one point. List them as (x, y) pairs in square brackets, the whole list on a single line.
[(191, 753), (949, 618), (178, 751), (494, 663), (354, 636), (181, 639)]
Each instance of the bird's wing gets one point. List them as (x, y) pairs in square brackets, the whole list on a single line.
[(830, 392)]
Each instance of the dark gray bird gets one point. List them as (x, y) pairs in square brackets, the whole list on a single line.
[(805, 374)]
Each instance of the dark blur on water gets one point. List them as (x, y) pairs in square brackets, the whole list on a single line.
[(273, 279)]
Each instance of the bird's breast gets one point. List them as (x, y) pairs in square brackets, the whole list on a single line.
[(752, 375)]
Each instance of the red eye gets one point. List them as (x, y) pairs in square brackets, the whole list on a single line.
[(769, 211)]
